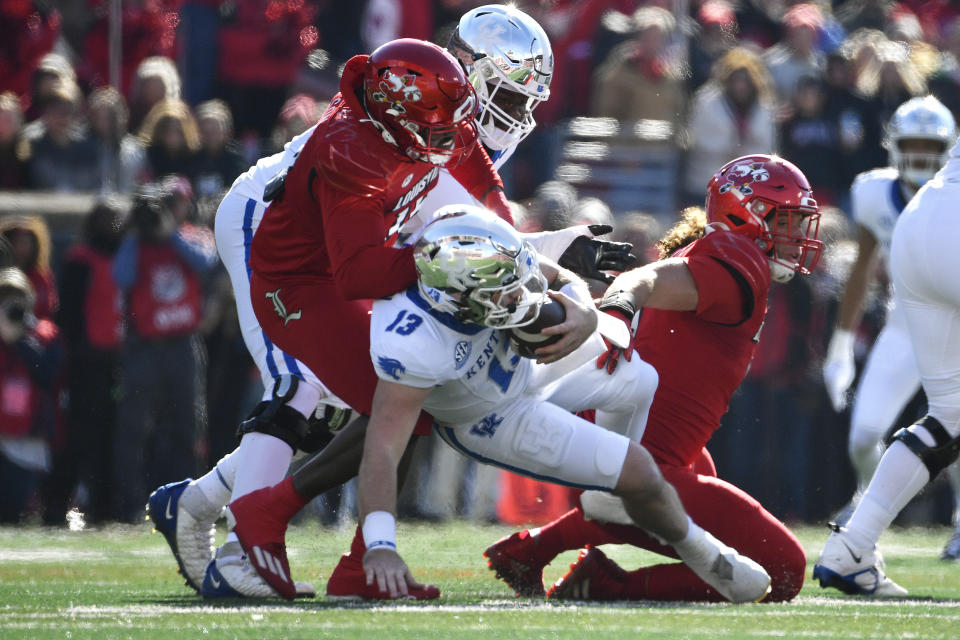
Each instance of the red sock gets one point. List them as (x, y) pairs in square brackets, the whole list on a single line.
[(668, 582), (284, 500), (570, 531), (358, 547)]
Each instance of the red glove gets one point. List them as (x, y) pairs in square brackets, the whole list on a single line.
[(611, 356)]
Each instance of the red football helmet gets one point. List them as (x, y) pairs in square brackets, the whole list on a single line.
[(419, 97), (769, 199)]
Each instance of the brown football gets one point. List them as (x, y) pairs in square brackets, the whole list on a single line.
[(528, 338)]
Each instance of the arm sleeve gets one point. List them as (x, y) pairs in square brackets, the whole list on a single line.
[(125, 262), (74, 280), (478, 176), (354, 233)]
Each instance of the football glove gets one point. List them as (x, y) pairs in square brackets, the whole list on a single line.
[(839, 368), (591, 258)]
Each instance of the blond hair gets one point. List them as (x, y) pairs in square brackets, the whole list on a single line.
[(743, 58), (691, 226), (177, 110), (38, 228)]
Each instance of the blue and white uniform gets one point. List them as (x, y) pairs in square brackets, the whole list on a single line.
[(890, 378), (494, 406)]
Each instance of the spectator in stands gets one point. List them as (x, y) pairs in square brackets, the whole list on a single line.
[(170, 136), (30, 30), (592, 211), (91, 319), (218, 161), (945, 82), (299, 113), (60, 156), (122, 160), (160, 266), (552, 206), (891, 80), (732, 115), (13, 169), (717, 35), (31, 357), (642, 230), (29, 241), (796, 54), (858, 129), (637, 81), (810, 138), (53, 72), (156, 79)]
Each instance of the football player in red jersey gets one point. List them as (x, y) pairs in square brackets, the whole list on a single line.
[(703, 305)]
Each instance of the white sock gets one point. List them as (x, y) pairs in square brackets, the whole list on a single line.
[(899, 477), (217, 484), (263, 463), (693, 542)]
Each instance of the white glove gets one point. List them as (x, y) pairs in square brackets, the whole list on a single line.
[(839, 368)]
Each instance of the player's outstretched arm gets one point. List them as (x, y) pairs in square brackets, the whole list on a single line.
[(396, 408)]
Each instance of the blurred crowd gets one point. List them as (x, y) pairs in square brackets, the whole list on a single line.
[(104, 397)]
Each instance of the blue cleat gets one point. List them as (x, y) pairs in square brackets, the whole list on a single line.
[(231, 575), (853, 570), (186, 519)]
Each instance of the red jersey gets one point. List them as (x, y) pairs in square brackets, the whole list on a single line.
[(703, 355), (346, 197)]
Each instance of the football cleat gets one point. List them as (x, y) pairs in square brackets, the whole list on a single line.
[(182, 513), (592, 577), (512, 558), (844, 566), (261, 535), (734, 576), (231, 575), (951, 551), (349, 582)]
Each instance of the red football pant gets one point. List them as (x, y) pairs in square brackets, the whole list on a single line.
[(329, 334), (727, 512)]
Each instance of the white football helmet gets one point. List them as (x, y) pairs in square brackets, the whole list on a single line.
[(509, 61), (920, 119), (476, 266)]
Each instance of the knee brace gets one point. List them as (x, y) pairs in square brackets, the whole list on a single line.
[(323, 428), (274, 418), (940, 455)]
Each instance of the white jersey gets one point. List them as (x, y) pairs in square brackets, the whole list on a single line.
[(474, 369), (877, 197)]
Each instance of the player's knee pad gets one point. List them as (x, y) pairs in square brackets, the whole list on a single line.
[(274, 418), (322, 428), (937, 457)]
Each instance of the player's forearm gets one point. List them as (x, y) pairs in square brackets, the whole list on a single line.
[(666, 284), (376, 272), (853, 294)]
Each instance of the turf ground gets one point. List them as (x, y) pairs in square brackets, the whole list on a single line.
[(120, 582)]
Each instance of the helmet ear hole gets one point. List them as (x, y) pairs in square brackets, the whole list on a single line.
[(737, 220)]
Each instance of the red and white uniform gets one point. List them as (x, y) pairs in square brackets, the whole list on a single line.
[(323, 250), (701, 357)]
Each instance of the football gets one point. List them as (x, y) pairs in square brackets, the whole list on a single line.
[(528, 338)]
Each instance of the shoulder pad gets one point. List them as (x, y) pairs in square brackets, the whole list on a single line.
[(352, 157), (881, 175), (737, 252)]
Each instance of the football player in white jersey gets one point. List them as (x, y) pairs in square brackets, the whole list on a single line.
[(919, 137), (924, 262), (442, 346), (502, 70)]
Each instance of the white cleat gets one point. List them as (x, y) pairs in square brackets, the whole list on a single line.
[(736, 577), (182, 513), (844, 566), (231, 575)]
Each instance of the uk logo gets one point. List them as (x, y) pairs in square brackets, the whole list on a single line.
[(487, 427), (461, 352), (392, 367)]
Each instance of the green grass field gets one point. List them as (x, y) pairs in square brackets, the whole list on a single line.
[(121, 582)]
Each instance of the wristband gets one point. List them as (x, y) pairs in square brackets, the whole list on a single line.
[(620, 301), (380, 530), (841, 343)]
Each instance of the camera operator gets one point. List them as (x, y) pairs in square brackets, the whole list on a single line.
[(160, 266), (31, 361)]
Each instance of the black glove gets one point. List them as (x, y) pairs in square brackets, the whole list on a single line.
[(590, 257)]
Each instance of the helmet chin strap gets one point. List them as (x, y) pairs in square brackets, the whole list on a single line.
[(779, 272)]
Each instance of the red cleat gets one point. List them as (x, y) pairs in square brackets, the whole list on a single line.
[(349, 582), (261, 533), (592, 577), (512, 558)]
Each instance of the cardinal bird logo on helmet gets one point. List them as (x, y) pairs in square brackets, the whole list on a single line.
[(396, 89), (740, 177)]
